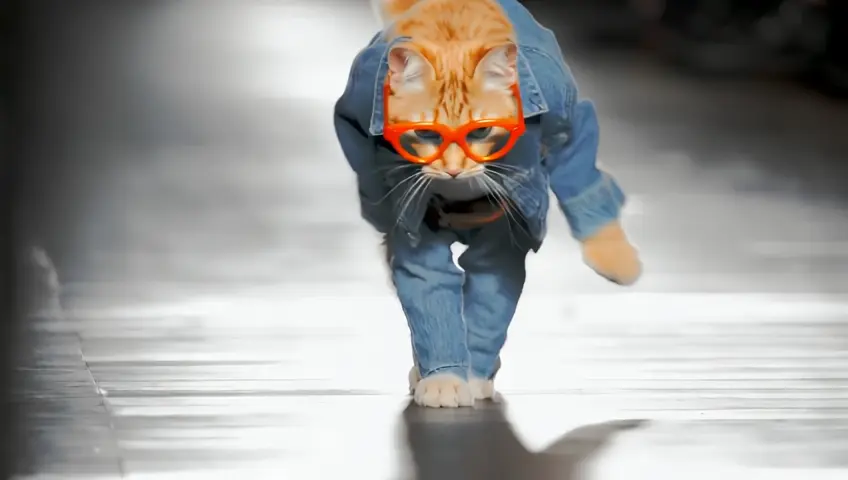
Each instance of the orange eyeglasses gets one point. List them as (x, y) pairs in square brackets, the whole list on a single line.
[(440, 136)]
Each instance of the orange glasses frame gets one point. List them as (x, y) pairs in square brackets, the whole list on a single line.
[(392, 132)]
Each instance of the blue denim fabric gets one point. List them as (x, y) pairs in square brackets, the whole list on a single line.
[(557, 153), (459, 318)]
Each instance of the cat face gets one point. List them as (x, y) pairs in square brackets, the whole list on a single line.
[(452, 85)]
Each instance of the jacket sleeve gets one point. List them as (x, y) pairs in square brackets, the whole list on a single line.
[(588, 197), (350, 119)]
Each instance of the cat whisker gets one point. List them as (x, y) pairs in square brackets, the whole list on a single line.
[(510, 207), (494, 166), (504, 176), (416, 188), (393, 168), (502, 188), (400, 184), (423, 190), (407, 192), (409, 187), (489, 188), (503, 191), (505, 205), (417, 191)]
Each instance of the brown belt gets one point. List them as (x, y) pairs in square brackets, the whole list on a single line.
[(463, 214)]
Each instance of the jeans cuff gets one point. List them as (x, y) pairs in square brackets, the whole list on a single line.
[(460, 371), (486, 375), (594, 208)]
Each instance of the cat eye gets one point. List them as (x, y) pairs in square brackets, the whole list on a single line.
[(479, 133), (428, 136), (481, 140)]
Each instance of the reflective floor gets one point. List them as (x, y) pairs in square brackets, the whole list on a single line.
[(221, 309)]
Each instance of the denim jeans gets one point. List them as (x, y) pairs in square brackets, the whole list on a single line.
[(458, 315)]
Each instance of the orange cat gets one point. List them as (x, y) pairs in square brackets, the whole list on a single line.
[(459, 66), (473, 100)]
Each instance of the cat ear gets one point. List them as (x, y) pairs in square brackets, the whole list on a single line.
[(410, 70), (497, 70)]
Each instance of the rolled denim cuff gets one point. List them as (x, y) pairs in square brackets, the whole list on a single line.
[(593, 208)]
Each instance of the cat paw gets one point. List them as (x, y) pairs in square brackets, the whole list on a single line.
[(482, 389), (443, 390), (611, 255), (414, 377)]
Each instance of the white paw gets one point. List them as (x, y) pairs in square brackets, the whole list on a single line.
[(482, 389), (443, 390), (414, 377)]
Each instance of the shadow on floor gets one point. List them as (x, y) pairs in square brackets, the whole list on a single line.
[(479, 443)]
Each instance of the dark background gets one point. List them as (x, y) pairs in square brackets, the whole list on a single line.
[(8, 159)]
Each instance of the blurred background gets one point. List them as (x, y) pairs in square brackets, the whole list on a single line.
[(192, 293), (801, 40)]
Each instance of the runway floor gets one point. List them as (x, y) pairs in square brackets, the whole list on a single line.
[(221, 309)]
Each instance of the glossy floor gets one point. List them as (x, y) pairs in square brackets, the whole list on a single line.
[(224, 311)]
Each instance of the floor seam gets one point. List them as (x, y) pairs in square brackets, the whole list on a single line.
[(41, 258)]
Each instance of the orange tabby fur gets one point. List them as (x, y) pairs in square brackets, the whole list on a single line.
[(459, 66), (392, 9), (462, 57)]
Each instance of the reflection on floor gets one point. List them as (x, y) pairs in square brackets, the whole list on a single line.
[(223, 310)]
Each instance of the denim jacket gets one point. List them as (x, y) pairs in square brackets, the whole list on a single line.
[(557, 151)]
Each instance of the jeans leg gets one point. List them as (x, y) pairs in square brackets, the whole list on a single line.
[(494, 266), (429, 287)]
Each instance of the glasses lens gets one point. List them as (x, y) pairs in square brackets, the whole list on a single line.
[(421, 142), (488, 140)]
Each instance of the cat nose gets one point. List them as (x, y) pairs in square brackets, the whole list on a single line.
[(453, 172)]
